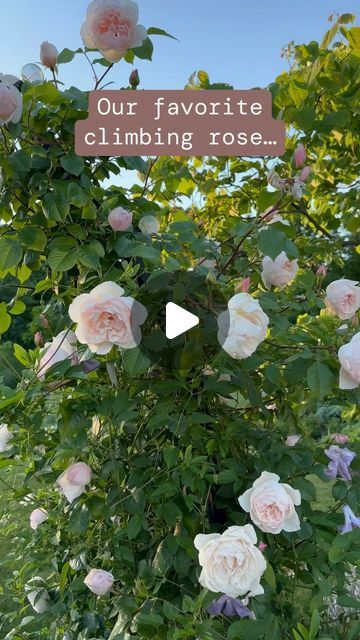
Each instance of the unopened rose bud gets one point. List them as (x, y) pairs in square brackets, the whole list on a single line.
[(8, 104), (262, 546), (48, 55), (243, 286), (39, 339), (119, 219), (339, 438), (322, 271), (299, 157), (134, 79), (99, 581), (305, 173), (44, 321)]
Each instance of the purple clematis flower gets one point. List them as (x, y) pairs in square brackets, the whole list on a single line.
[(229, 607), (351, 520), (340, 461)]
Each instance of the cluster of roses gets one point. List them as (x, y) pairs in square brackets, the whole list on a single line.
[(110, 27), (231, 563)]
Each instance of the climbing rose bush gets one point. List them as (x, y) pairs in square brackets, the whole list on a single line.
[(205, 487)]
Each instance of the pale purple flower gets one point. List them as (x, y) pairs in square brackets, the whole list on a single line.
[(351, 520), (340, 461), (229, 607)]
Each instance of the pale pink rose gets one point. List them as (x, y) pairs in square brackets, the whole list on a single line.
[(343, 298), (62, 347), (38, 339), (278, 272), (119, 219), (5, 437), (48, 55), (243, 286), (106, 317), (231, 562), (11, 104), (339, 438), (37, 517), (271, 504), (111, 27), (291, 441), (74, 479), (99, 581), (349, 357), (299, 156), (322, 271), (305, 174)]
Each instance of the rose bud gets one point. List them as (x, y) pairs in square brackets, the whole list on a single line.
[(299, 157), (44, 321), (305, 173), (243, 286), (262, 546), (39, 339), (119, 219), (339, 438), (10, 104), (99, 581), (322, 271), (134, 79), (48, 55)]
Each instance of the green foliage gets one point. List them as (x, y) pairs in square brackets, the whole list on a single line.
[(175, 431)]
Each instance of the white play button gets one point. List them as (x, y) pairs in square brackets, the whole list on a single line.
[(178, 320)]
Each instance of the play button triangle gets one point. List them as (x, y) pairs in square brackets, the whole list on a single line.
[(178, 320)]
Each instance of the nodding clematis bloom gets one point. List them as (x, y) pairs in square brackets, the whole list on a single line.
[(230, 607), (340, 461), (351, 520)]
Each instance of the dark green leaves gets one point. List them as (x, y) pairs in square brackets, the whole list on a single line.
[(272, 241), (72, 164), (320, 379), (10, 253)]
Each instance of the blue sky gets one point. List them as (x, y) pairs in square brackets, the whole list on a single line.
[(236, 41)]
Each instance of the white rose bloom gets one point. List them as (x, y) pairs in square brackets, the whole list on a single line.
[(37, 517), (74, 480), (343, 298), (271, 504), (231, 563), (149, 225), (5, 437), (278, 272), (243, 327), (37, 594), (99, 581), (61, 347), (349, 357)]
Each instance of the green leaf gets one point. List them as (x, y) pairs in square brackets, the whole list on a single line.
[(147, 253), (348, 601), (145, 51), (20, 162), (33, 238), (135, 362), (134, 526), (320, 379), (353, 36), (21, 354), (5, 319), (271, 242), (62, 258), (88, 257), (154, 31), (314, 625), (72, 164), (10, 253), (79, 519), (66, 55)]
